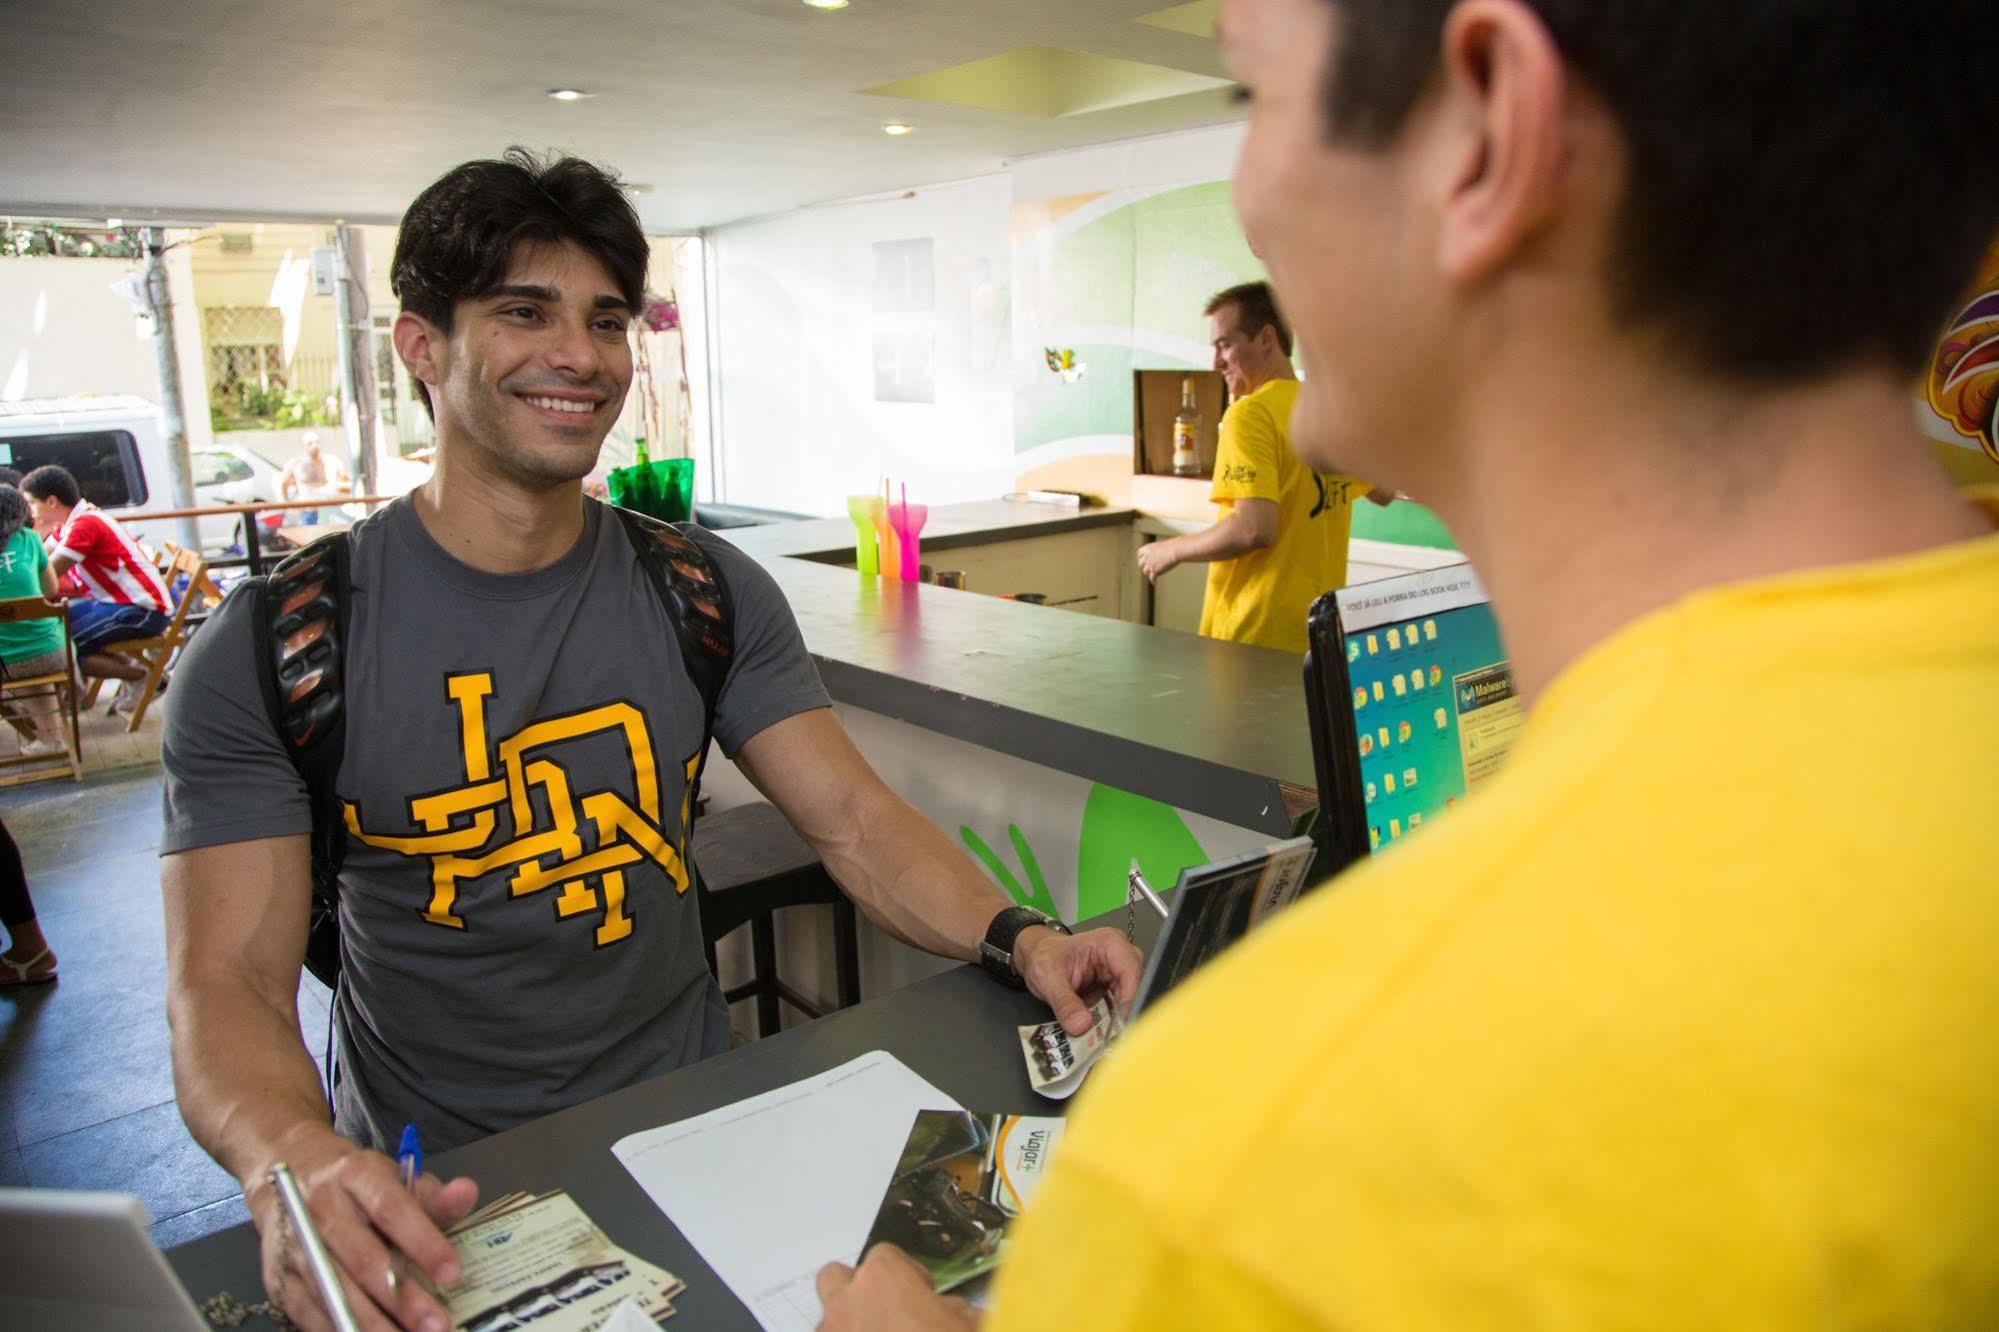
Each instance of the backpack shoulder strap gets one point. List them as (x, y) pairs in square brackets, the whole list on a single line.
[(697, 601), (302, 613), (696, 598)]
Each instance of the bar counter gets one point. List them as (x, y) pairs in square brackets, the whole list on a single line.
[(1209, 727)]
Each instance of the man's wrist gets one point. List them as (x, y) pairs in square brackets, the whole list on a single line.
[(1028, 943), (1001, 953), (291, 1144)]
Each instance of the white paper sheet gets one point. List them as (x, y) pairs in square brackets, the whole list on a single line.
[(771, 1189), (629, 1317)]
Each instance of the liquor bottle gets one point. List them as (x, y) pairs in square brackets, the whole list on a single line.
[(1187, 433)]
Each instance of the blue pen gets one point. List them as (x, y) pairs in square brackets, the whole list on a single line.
[(409, 1157)]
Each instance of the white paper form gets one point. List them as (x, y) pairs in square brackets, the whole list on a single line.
[(771, 1189)]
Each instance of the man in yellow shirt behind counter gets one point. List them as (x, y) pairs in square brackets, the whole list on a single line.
[(1282, 537), (1686, 1019)]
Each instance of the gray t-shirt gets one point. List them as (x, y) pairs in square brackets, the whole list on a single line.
[(518, 926)]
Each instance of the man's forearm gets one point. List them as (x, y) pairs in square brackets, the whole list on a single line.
[(1229, 539), (912, 881), (245, 1081)]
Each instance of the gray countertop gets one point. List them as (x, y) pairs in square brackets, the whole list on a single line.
[(956, 1030), (1206, 726)]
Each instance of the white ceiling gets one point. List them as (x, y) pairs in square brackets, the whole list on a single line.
[(298, 109)]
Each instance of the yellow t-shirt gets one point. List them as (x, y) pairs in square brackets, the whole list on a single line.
[(1262, 597), (1690, 1021)]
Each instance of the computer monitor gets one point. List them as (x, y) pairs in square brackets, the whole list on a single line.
[(1411, 705)]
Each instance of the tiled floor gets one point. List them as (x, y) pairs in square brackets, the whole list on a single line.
[(86, 1083)]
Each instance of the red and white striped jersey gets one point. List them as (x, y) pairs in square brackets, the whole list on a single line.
[(110, 566)]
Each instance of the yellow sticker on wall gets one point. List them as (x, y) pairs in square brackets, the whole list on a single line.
[(1388, 783), (1401, 686), (1394, 638)]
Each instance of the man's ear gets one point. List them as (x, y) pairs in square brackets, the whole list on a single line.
[(422, 348), (1504, 93)]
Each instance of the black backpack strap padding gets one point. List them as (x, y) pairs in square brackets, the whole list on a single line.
[(696, 598), (302, 609)]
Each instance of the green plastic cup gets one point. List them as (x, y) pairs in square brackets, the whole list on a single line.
[(662, 490)]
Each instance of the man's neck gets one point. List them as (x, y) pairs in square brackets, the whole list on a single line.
[(1268, 374), (1585, 509), (493, 524)]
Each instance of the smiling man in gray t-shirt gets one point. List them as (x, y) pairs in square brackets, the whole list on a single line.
[(515, 914), (472, 691)]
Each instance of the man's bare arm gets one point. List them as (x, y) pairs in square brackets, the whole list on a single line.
[(236, 919), (1249, 525), (249, 1092), (908, 877), (896, 865)]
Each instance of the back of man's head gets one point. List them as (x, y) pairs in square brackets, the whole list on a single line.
[(51, 482), (1803, 191), (457, 238), (1255, 307)]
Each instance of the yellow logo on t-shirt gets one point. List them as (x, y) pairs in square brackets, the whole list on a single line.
[(464, 836)]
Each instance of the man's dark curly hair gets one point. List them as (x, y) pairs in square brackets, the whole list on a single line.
[(459, 235)]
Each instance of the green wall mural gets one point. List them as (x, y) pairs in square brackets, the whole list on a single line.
[(1117, 826), (1124, 287)]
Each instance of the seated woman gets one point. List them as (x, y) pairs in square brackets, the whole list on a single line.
[(35, 647)]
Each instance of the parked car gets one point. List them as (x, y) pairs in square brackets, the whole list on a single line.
[(114, 447), (230, 474)]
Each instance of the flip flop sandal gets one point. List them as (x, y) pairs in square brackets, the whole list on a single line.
[(18, 973)]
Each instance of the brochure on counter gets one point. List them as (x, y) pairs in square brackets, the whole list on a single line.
[(961, 1181), (536, 1261)]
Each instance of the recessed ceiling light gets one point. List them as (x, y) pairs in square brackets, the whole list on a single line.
[(897, 130), (568, 94), (826, 4)]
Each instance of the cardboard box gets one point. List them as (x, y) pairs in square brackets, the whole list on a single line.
[(1155, 398)]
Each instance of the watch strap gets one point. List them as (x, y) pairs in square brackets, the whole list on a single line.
[(996, 949)]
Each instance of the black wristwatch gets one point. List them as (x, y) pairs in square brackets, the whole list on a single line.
[(996, 952)]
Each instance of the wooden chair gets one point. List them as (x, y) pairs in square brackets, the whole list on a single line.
[(154, 655), (59, 688)]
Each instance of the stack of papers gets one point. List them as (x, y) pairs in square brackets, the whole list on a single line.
[(771, 1189), (535, 1260)]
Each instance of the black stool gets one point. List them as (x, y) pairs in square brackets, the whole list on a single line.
[(750, 864)]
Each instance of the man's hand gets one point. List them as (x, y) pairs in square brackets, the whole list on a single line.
[(890, 1293), (1156, 559), (357, 1202), (1060, 968)]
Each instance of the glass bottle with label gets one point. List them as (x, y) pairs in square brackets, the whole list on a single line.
[(1187, 433)]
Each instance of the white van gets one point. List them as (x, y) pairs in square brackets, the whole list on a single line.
[(116, 450)]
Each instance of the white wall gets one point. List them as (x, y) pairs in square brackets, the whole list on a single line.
[(63, 331), (794, 320), (794, 324)]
